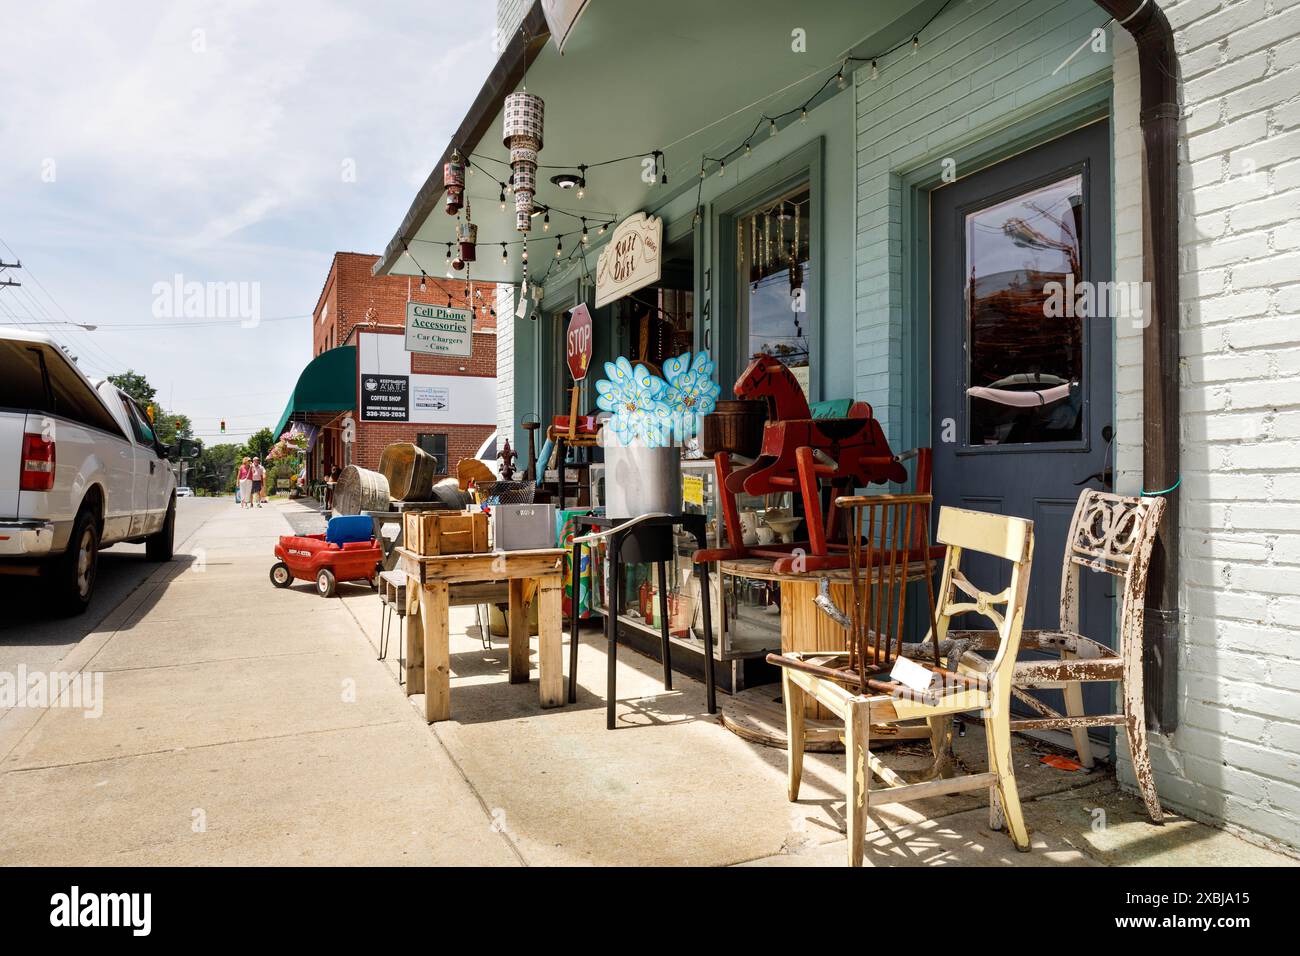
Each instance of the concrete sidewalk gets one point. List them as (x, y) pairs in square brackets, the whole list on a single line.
[(248, 725), (241, 725)]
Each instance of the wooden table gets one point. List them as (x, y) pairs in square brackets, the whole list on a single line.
[(436, 583)]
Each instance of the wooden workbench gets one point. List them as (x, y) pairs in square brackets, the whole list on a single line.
[(436, 583)]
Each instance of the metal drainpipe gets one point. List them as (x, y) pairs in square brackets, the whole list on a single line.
[(1158, 71)]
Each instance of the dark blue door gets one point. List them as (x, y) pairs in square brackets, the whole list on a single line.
[(1021, 382)]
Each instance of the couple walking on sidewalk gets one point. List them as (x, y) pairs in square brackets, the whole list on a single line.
[(252, 483)]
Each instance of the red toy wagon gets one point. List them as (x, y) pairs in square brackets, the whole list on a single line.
[(347, 551)]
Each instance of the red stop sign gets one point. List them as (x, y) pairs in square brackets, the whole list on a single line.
[(577, 342)]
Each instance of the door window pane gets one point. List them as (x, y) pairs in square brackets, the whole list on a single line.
[(774, 262), (1024, 375)]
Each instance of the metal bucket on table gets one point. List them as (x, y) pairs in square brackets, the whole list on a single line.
[(642, 480)]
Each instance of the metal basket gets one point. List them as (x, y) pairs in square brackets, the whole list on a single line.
[(505, 492)]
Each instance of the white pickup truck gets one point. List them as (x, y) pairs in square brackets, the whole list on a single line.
[(80, 469)]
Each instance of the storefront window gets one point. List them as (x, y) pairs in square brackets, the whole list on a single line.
[(774, 263)]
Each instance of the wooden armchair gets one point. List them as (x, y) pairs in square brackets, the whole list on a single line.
[(856, 686), (1113, 535)]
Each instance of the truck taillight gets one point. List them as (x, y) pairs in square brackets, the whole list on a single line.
[(38, 463)]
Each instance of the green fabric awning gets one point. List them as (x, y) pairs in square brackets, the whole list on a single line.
[(327, 384)]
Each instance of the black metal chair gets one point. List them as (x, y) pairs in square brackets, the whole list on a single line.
[(644, 540)]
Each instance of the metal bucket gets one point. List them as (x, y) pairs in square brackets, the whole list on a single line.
[(361, 490), (642, 480), (409, 471)]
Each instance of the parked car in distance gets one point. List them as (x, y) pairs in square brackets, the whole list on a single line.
[(80, 469), (184, 491)]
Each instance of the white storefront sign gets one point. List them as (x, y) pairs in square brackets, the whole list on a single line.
[(631, 259), (438, 330), (391, 391)]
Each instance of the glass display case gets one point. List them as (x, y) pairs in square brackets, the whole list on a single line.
[(746, 613)]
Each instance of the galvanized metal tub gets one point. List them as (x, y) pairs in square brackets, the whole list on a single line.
[(642, 480)]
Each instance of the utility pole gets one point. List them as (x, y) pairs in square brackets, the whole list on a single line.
[(9, 265)]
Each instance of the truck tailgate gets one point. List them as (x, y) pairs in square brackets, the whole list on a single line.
[(11, 449)]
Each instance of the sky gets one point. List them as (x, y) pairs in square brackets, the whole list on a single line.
[(153, 150)]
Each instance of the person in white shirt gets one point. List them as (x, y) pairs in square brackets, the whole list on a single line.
[(258, 475)]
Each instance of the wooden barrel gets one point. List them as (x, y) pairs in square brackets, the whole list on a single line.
[(410, 471), (737, 427), (360, 490)]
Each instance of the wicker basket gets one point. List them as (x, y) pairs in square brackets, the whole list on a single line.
[(506, 492)]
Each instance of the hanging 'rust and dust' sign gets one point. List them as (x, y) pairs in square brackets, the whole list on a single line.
[(631, 259)]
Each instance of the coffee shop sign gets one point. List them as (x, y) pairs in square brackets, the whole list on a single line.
[(630, 260)]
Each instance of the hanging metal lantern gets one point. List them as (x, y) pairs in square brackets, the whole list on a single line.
[(467, 236), (453, 180), (522, 135)]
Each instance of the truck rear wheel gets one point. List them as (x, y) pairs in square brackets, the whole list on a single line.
[(160, 545), (72, 575)]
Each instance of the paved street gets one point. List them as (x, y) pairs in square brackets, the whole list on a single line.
[(28, 635), (246, 725)]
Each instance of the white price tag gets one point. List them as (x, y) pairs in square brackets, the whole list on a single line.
[(911, 674)]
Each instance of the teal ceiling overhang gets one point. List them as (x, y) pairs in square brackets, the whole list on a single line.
[(687, 77)]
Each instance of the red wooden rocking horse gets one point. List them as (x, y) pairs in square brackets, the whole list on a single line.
[(798, 453)]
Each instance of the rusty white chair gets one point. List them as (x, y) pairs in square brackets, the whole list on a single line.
[(856, 687), (1110, 534)]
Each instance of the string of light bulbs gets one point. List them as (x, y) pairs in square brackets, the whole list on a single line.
[(772, 121)]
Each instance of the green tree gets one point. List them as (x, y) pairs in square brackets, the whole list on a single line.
[(169, 426), (259, 444), (215, 470), (135, 385)]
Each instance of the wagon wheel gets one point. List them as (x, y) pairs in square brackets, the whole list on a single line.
[(281, 576), (325, 582)]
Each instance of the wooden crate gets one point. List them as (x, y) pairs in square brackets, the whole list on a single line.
[(445, 532)]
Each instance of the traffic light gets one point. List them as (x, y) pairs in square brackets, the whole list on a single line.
[(223, 426)]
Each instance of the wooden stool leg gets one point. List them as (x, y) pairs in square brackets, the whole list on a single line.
[(437, 651), (550, 640), (998, 730), (517, 633), (665, 645), (857, 743), (414, 640), (793, 695)]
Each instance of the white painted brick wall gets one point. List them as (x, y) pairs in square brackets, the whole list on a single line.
[(1236, 755)]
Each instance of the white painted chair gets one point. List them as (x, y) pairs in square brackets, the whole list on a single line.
[(1110, 534), (866, 695)]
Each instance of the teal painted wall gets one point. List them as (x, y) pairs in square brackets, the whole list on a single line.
[(833, 123), (984, 65)]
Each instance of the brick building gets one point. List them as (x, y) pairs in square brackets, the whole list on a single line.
[(366, 313)]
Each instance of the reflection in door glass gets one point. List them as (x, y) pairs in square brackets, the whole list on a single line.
[(1024, 378), (774, 261)]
